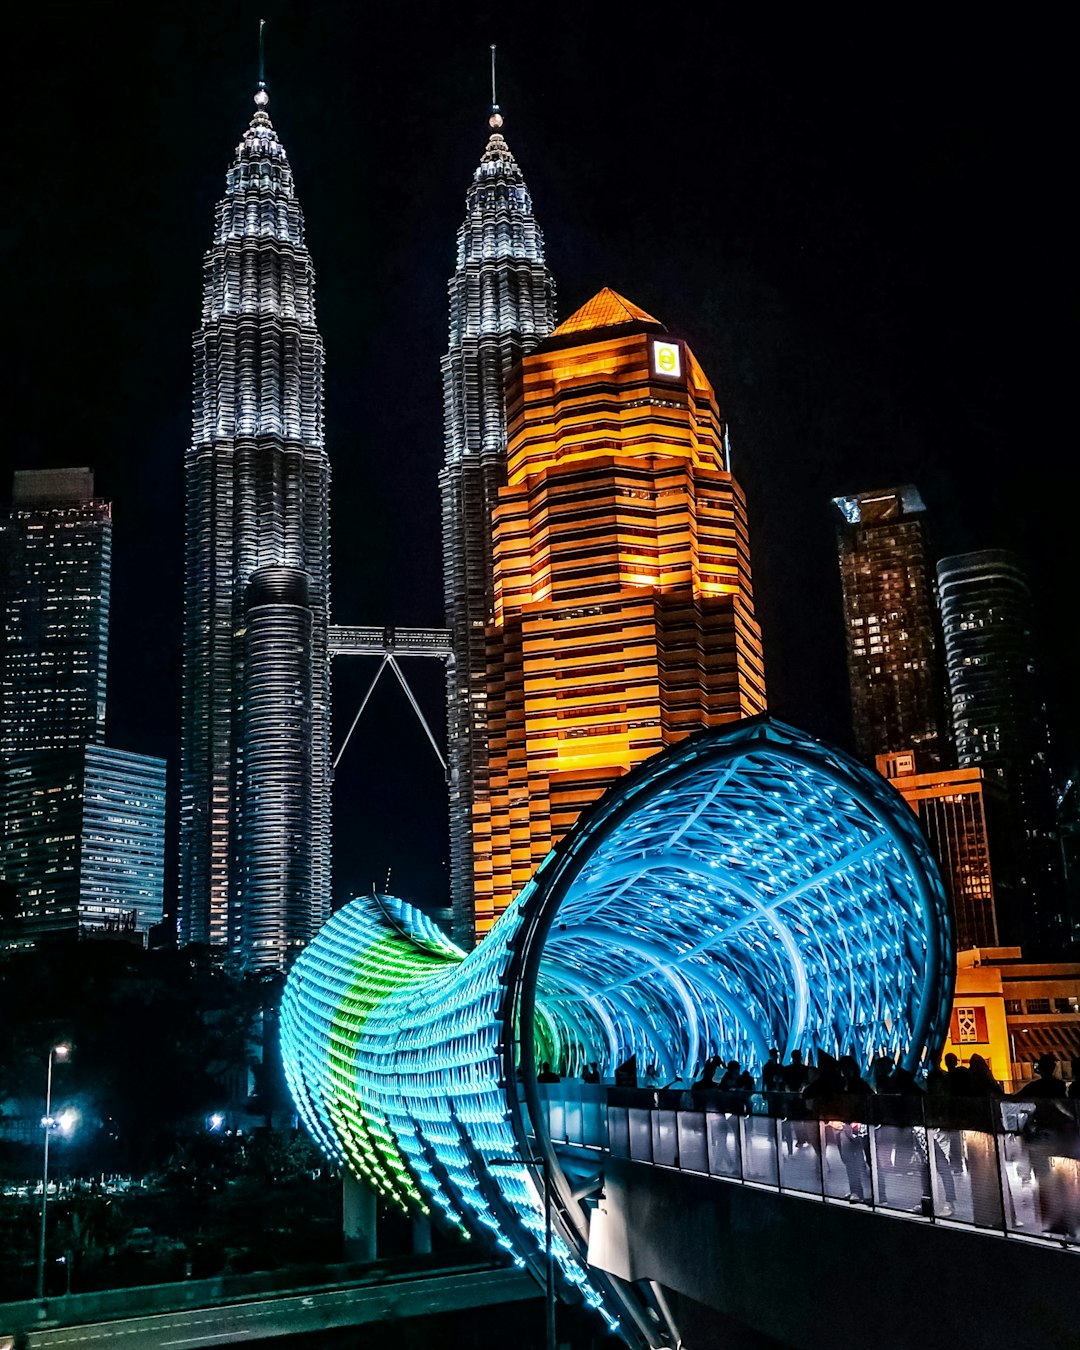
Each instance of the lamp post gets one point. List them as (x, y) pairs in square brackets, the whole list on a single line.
[(549, 1269), (59, 1052)]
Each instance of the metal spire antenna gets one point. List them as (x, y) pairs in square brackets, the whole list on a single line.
[(262, 56), (495, 121)]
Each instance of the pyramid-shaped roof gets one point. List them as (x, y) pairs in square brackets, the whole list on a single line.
[(607, 309)]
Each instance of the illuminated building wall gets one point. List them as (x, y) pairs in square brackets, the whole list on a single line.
[(502, 302), (893, 650), (57, 549), (84, 842), (999, 716), (255, 767), (624, 614), (1013, 1011), (966, 821)]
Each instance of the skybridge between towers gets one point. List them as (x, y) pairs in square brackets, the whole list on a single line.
[(388, 644)]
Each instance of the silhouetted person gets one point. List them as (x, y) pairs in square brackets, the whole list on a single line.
[(797, 1130), (591, 1074), (707, 1081), (956, 1077), (772, 1075), (796, 1074), (547, 1074), (745, 1082), (980, 1121), (730, 1078), (1051, 1133)]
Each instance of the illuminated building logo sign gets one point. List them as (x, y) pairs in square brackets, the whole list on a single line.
[(742, 889), (667, 359)]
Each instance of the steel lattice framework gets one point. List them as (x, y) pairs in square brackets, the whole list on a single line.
[(744, 888)]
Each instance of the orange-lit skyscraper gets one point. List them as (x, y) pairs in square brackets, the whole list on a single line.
[(624, 614)]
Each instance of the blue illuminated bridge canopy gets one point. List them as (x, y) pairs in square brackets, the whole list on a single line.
[(747, 888)]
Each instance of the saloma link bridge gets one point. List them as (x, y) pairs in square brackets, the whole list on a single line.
[(743, 889)]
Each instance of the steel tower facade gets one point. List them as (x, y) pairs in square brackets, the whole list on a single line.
[(502, 303), (255, 768)]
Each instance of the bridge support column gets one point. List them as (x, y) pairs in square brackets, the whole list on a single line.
[(358, 1219), (421, 1236)]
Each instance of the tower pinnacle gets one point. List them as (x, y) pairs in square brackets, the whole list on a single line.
[(495, 121)]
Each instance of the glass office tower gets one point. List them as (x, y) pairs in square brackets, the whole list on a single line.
[(255, 756), (57, 550), (999, 716), (890, 622), (84, 842), (502, 302)]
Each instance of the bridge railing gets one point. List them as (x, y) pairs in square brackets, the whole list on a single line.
[(1012, 1167)]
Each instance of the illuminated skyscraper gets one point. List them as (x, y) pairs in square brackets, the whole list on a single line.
[(890, 622), (255, 766), (999, 715), (57, 547), (502, 302), (965, 820), (84, 842), (624, 614)]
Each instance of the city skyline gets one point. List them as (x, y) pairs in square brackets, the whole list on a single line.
[(824, 244)]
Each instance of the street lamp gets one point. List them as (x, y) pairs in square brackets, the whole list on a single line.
[(56, 1052), (549, 1270)]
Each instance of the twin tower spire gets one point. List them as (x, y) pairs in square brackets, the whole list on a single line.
[(255, 760)]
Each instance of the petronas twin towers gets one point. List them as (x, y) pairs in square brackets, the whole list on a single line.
[(255, 760), (255, 764)]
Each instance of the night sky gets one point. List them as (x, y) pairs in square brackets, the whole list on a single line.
[(857, 218)]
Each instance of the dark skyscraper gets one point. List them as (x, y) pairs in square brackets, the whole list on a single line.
[(255, 767), (57, 542), (894, 666), (502, 303), (999, 714)]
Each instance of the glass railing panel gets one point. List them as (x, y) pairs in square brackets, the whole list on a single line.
[(593, 1115), (759, 1150), (618, 1130), (572, 1108), (693, 1141), (845, 1152), (640, 1134), (665, 1138), (724, 1144)]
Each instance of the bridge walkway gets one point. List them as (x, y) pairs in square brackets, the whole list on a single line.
[(989, 1166)]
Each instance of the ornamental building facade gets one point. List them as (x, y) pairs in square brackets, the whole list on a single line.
[(255, 760), (502, 303), (624, 613)]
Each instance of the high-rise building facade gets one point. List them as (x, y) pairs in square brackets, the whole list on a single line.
[(624, 613), (890, 625), (502, 303), (999, 715), (255, 759), (57, 548), (964, 818), (84, 841)]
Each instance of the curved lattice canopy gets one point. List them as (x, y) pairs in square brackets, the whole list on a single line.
[(746, 890)]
